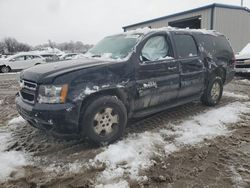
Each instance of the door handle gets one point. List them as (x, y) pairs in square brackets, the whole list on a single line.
[(172, 68)]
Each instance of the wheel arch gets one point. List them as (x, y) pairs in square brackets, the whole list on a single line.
[(5, 65), (117, 92), (221, 72)]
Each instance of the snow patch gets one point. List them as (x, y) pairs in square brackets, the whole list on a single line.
[(231, 94), (147, 30), (236, 178), (89, 91), (246, 81), (120, 184), (126, 158), (129, 155), (209, 124), (17, 120), (11, 161)]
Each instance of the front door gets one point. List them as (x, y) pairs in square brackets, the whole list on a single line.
[(17, 62), (157, 76)]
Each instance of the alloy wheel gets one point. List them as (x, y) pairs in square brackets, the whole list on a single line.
[(106, 122)]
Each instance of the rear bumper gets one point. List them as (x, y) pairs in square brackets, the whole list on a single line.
[(58, 118)]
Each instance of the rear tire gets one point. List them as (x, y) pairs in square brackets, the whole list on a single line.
[(213, 92), (5, 69), (104, 120)]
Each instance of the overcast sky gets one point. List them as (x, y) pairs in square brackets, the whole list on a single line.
[(36, 21)]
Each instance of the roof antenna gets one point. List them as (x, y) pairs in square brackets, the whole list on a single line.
[(242, 2)]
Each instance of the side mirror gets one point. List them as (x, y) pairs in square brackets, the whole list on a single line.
[(12, 60)]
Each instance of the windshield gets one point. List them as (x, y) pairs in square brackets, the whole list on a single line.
[(114, 47)]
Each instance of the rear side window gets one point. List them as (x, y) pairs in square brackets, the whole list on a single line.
[(215, 46), (185, 45), (223, 44)]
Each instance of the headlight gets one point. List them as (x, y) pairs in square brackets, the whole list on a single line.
[(52, 94)]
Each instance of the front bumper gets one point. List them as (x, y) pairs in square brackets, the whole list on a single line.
[(58, 118), (243, 70), (243, 67)]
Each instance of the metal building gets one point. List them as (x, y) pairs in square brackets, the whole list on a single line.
[(232, 21)]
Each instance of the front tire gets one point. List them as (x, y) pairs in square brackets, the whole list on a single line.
[(104, 120), (5, 69), (213, 92)]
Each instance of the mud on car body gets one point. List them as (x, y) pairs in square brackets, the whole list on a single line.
[(132, 74)]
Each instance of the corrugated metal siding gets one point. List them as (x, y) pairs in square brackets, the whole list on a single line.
[(205, 23), (235, 24)]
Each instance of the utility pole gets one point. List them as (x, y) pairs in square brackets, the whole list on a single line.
[(242, 3)]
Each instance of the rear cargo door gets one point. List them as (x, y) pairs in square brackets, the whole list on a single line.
[(192, 69)]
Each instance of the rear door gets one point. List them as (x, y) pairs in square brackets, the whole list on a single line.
[(157, 77), (29, 62), (192, 69)]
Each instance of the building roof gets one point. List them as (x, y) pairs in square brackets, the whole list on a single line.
[(190, 11)]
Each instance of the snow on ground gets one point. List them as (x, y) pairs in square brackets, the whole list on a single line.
[(231, 94), (11, 161), (126, 158), (9, 73), (16, 121), (121, 184), (236, 178), (246, 81)]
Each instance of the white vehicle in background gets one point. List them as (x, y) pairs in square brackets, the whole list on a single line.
[(20, 61), (68, 56), (243, 60)]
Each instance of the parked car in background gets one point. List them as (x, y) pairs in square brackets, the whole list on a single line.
[(79, 56), (20, 61), (4, 56), (68, 56), (133, 74), (50, 57), (243, 60)]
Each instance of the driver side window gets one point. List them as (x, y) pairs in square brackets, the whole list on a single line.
[(156, 48)]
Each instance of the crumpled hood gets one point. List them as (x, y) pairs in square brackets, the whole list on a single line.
[(45, 73)]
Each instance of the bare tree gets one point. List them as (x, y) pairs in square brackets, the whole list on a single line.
[(71, 46), (11, 45)]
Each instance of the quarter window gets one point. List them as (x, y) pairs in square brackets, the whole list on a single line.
[(186, 46), (156, 48), (29, 57), (35, 57)]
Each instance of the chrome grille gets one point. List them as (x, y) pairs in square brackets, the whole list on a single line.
[(28, 91)]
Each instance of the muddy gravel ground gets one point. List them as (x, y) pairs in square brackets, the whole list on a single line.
[(221, 161)]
